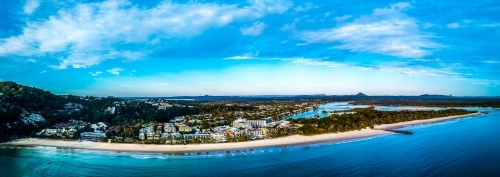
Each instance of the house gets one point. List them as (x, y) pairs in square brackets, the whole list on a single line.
[(185, 129), (111, 110), (159, 128), (102, 125), (149, 135), (72, 132), (142, 136), (169, 128), (156, 136), (179, 119), (49, 132)]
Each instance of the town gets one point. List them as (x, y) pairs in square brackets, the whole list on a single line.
[(260, 122)]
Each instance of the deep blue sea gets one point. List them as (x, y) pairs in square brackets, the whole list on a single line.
[(463, 147)]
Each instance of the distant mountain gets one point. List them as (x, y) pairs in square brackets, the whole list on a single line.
[(434, 95), (360, 94)]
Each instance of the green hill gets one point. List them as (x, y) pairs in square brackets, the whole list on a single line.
[(24, 109)]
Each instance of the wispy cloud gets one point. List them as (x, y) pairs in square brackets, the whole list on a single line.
[(385, 31), (30, 6), (490, 25), (90, 33), (96, 73), (115, 71), (43, 72), (453, 25), (342, 18), (316, 62), (31, 60), (306, 7), (491, 61), (245, 56), (254, 30)]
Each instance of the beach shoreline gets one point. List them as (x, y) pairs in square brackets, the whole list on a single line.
[(202, 148)]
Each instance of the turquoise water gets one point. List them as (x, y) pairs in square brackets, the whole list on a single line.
[(345, 106), (462, 147)]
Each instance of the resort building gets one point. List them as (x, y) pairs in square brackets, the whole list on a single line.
[(219, 137), (257, 123), (240, 123), (192, 136), (91, 136)]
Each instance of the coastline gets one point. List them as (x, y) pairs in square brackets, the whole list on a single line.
[(201, 148), (424, 121)]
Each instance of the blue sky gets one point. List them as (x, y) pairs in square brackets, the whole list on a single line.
[(254, 47)]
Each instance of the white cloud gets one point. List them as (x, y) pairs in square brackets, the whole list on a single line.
[(327, 14), (131, 73), (428, 25), (89, 33), (43, 72), (491, 62), (255, 30), (306, 7), (115, 71), (342, 18), (490, 25), (31, 60), (96, 73), (290, 26), (245, 56), (453, 25), (385, 31), (30, 6), (316, 62)]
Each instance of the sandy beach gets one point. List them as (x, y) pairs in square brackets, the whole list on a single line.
[(290, 140)]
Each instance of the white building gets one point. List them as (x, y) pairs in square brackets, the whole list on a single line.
[(219, 137), (111, 110), (142, 136), (257, 123), (92, 136), (240, 123), (169, 128)]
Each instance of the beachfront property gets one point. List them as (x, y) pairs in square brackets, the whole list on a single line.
[(219, 137), (169, 128), (92, 136), (184, 128)]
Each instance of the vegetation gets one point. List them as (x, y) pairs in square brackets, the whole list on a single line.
[(129, 115), (368, 117), (436, 102), (15, 98)]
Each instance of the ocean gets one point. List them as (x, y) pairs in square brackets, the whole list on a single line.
[(463, 147)]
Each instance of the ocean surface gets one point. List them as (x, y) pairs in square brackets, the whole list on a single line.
[(463, 147)]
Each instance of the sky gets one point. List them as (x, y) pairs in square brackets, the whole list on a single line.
[(253, 47)]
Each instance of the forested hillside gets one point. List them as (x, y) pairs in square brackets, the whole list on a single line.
[(17, 99)]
